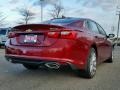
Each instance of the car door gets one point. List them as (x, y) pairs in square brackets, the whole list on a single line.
[(99, 39), (107, 44)]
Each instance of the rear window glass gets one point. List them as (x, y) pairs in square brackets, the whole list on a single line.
[(2, 32), (60, 21)]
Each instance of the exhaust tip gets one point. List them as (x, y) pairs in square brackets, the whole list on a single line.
[(52, 65)]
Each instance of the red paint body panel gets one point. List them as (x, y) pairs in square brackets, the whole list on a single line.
[(74, 51), (62, 51)]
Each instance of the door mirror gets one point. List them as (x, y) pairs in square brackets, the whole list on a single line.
[(111, 36)]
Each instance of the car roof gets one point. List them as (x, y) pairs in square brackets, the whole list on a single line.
[(4, 29), (72, 18)]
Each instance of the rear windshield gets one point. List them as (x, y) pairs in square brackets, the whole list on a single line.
[(2, 32), (60, 21)]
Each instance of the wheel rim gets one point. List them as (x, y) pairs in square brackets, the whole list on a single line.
[(93, 63)]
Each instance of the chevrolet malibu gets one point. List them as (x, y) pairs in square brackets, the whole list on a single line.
[(78, 42)]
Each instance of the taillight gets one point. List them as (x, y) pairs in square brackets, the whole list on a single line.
[(12, 35), (62, 34), (53, 34), (68, 34)]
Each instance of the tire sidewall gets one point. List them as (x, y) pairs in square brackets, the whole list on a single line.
[(88, 73)]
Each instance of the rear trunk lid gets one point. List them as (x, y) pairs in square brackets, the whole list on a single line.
[(34, 35)]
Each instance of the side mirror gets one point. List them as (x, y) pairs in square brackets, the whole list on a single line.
[(111, 36)]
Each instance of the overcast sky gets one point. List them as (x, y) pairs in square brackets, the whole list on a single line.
[(102, 11)]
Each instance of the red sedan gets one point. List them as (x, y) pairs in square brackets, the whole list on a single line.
[(78, 42)]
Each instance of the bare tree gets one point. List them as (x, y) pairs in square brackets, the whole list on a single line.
[(57, 11), (26, 14), (2, 19)]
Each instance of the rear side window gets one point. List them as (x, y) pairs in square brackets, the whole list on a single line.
[(78, 24), (101, 30), (92, 26), (2, 32)]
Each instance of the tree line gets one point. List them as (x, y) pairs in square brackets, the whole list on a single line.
[(57, 11)]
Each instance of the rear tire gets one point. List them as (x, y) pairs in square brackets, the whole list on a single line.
[(31, 66), (90, 70)]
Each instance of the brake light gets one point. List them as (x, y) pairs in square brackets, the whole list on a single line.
[(53, 34), (63, 34), (12, 35), (68, 34)]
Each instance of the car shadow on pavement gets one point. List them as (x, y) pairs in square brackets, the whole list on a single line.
[(20, 71), (42, 71)]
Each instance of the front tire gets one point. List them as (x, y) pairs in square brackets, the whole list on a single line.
[(110, 60), (31, 66)]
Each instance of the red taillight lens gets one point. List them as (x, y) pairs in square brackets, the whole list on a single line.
[(12, 35), (68, 34), (63, 34), (53, 34)]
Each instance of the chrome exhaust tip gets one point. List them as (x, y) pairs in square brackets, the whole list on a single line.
[(52, 65)]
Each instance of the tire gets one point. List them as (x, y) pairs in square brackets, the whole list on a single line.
[(91, 64), (90, 70), (110, 60), (31, 66)]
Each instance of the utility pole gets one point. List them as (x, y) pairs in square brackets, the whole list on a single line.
[(118, 13), (41, 3)]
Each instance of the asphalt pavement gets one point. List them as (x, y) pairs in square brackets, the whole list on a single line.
[(16, 77)]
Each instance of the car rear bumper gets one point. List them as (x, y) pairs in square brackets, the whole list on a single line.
[(42, 60), (37, 60), (62, 52), (74, 63)]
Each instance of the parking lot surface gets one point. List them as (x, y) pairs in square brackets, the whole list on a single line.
[(16, 77)]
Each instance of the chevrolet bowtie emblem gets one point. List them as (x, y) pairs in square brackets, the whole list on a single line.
[(28, 30)]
